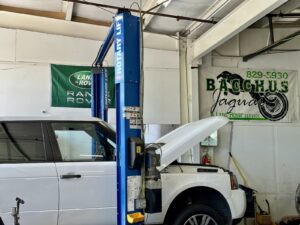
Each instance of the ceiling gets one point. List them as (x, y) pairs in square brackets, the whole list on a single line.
[(202, 9), (101, 16), (291, 7), (189, 8)]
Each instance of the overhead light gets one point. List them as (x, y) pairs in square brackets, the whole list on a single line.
[(165, 2)]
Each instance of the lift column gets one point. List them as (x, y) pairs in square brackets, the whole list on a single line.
[(127, 80)]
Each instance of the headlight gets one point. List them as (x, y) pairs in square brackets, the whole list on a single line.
[(233, 182)]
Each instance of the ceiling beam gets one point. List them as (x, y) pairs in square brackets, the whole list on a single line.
[(239, 19), (283, 24), (286, 8), (80, 19), (213, 11), (34, 12), (69, 8), (67, 14)]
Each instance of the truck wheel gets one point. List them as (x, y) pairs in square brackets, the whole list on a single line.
[(198, 214)]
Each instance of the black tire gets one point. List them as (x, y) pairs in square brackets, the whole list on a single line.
[(198, 210), (236, 221)]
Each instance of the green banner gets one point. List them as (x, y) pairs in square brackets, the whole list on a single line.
[(71, 86)]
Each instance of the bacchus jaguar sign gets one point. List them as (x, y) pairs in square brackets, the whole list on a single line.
[(249, 94), (71, 86)]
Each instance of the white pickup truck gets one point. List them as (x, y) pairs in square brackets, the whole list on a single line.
[(65, 171)]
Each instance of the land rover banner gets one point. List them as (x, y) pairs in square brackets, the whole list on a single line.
[(71, 86), (249, 94)]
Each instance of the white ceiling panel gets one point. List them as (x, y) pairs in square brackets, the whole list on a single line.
[(189, 8), (96, 13), (47, 5)]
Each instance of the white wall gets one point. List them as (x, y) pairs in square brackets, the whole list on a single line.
[(268, 153), (26, 79), (73, 29)]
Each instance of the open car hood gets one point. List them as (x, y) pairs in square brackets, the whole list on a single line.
[(185, 137)]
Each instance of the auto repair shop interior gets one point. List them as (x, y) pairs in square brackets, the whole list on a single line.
[(173, 112)]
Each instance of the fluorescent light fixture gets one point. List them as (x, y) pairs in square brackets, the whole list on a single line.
[(165, 4)]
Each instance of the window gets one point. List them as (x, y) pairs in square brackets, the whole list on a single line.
[(22, 142), (83, 142)]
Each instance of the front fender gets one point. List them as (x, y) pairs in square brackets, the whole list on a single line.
[(174, 184)]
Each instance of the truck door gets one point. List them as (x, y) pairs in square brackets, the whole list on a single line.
[(27, 171), (87, 173)]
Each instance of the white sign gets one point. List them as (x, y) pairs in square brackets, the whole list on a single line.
[(249, 94), (133, 114), (133, 191)]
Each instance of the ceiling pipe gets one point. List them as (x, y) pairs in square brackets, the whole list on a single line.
[(210, 13), (236, 21), (270, 47), (285, 15), (143, 11)]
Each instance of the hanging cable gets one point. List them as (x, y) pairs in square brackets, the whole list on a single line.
[(137, 4), (104, 9), (144, 12), (156, 6)]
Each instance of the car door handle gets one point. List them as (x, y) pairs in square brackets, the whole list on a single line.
[(70, 176)]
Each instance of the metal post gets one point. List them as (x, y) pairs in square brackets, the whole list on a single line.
[(96, 95), (127, 79), (104, 97), (99, 94), (99, 79), (271, 29)]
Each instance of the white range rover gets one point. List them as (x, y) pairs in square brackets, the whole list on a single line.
[(51, 164)]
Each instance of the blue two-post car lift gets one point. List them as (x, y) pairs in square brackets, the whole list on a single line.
[(125, 34)]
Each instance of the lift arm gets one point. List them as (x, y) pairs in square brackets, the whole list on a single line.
[(99, 79)]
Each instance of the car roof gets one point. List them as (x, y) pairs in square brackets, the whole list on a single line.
[(57, 119), (50, 118)]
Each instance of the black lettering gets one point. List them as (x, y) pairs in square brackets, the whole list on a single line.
[(210, 84), (231, 104), (247, 86), (285, 86), (223, 86), (235, 86), (217, 92), (272, 85), (259, 86)]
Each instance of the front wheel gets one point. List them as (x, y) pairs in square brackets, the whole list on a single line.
[(198, 214)]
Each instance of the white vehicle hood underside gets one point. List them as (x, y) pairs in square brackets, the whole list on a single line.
[(185, 137)]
